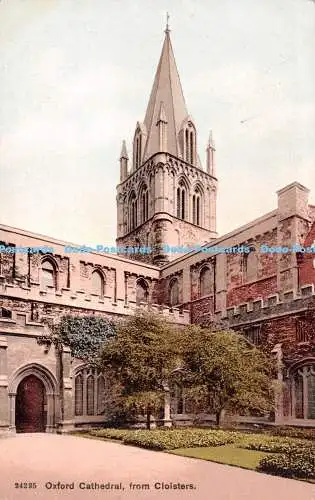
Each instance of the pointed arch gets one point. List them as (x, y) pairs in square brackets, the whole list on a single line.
[(144, 202), (197, 205), (132, 211), (182, 198), (188, 141)]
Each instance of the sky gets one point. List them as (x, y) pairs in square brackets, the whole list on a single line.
[(76, 75)]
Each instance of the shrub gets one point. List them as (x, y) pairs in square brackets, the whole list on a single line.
[(169, 439), (274, 444), (110, 433), (294, 432), (295, 464)]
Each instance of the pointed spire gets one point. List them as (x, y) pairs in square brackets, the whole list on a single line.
[(124, 153), (167, 89)]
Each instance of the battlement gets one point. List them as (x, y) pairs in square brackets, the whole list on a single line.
[(272, 306)]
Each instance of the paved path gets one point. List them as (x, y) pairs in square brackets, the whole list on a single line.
[(48, 460)]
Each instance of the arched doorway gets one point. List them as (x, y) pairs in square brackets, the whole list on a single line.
[(31, 405)]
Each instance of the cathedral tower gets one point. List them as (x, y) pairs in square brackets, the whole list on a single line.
[(165, 198)]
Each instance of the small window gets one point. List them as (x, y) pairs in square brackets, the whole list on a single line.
[(174, 292), (250, 266), (205, 285), (48, 275), (97, 284)]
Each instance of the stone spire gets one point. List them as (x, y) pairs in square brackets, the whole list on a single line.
[(210, 155), (167, 89), (123, 162)]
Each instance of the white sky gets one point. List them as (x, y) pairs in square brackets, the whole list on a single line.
[(76, 76)]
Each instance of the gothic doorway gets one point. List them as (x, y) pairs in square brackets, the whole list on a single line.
[(31, 405)]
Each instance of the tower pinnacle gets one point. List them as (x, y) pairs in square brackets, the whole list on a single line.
[(167, 29)]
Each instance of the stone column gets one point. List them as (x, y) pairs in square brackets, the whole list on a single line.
[(4, 397), (167, 422), (67, 422)]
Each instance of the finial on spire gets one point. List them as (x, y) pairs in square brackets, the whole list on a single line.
[(211, 141), (167, 30), (124, 153)]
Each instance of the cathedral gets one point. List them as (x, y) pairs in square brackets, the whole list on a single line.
[(166, 202)]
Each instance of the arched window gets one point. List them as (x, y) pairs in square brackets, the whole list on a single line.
[(142, 292), (303, 392), (48, 275), (132, 211), (89, 392), (78, 400), (98, 287), (205, 284), (144, 204), (190, 144), (250, 266), (197, 207), (137, 149), (181, 201), (174, 292)]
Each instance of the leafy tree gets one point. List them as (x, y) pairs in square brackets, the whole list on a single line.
[(224, 372), (142, 355)]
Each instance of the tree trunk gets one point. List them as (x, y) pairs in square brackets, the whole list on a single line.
[(219, 417), (148, 418)]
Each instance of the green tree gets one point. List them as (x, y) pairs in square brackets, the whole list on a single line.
[(224, 372), (142, 356)]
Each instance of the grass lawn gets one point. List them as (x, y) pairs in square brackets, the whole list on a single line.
[(228, 454)]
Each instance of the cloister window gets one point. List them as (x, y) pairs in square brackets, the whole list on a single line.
[(142, 291), (178, 399), (197, 207), (132, 211), (303, 392), (174, 292), (98, 284), (205, 284), (48, 274), (89, 392), (250, 266), (181, 201), (144, 204)]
